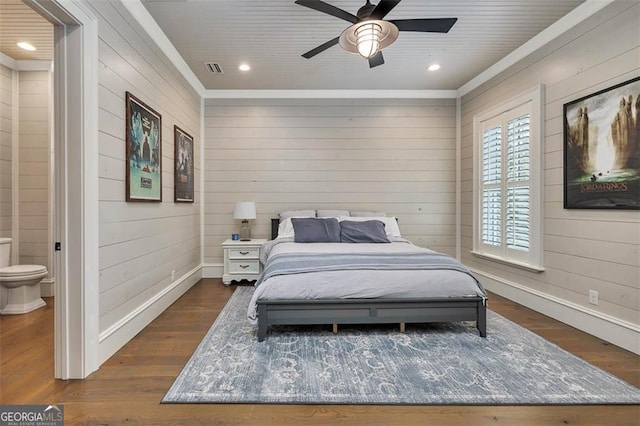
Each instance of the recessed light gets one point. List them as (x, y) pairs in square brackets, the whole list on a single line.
[(244, 67), (434, 67), (26, 46)]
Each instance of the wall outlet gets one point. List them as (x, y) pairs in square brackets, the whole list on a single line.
[(173, 278), (593, 297)]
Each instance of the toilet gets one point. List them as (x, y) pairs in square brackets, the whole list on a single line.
[(21, 283)]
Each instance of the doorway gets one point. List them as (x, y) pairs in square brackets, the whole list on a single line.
[(75, 184)]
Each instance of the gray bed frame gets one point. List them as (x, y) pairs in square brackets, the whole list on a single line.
[(369, 311)]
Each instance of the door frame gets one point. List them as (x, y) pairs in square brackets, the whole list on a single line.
[(76, 222)]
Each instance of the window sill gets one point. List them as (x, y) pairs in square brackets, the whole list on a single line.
[(516, 264)]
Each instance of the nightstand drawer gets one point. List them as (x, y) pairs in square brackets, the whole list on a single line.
[(244, 253), (244, 266)]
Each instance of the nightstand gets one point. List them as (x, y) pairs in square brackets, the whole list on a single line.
[(241, 260)]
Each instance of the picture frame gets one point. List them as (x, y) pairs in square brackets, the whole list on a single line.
[(602, 149), (144, 151), (183, 166)]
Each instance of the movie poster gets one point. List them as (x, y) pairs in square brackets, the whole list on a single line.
[(602, 149), (183, 187), (144, 152)]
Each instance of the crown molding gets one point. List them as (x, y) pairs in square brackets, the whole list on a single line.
[(19, 65), (330, 94), (34, 65), (7, 61)]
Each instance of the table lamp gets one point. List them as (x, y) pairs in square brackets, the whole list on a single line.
[(244, 211)]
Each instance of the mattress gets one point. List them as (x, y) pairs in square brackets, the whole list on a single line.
[(415, 273)]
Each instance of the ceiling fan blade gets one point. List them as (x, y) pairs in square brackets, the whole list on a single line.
[(376, 60), (384, 7), (324, 46), (437, 25), (323, 7)]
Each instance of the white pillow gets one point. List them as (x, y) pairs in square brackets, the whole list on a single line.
[(332, 213), (367, 214), (296, 213), (285, 229), (390, 223)]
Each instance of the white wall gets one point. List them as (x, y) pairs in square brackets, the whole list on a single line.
[(33, 170), (583, 249), (6, 151), (141, 243), (397, 156)]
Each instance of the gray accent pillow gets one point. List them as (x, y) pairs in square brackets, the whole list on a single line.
[(316, 230), (368, 231)]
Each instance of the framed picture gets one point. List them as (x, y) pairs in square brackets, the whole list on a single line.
[(144, 151), (183, 166), (602, 149)]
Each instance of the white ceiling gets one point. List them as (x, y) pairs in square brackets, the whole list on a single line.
[(18, 22), (271, 36)]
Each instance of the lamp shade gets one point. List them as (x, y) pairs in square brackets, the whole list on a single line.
[(245, 210)]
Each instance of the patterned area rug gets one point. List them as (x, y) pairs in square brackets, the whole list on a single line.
[(428, 364)]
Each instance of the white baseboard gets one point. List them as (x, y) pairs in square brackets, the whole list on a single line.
[(621, 333), (116, 336), (47, 287), (212, 270)]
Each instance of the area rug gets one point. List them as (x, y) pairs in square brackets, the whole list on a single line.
[(428, 364)]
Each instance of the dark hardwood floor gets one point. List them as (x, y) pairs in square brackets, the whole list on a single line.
[(128, 387)]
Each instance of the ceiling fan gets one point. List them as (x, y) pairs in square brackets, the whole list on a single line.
[(369, 33)]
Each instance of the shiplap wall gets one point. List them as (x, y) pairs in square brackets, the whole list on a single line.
[(6, 150), (583, 249), (141, 243), (397, 156), (33, 170)]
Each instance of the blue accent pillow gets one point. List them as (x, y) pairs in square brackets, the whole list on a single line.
[(368, 231), (315, 230)]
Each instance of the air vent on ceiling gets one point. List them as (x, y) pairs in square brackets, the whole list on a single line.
[(214, 67)]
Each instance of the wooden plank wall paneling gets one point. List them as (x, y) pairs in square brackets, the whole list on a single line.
[(397, 156), (141, 243), (583, 249), (33, 169), (6, 151)]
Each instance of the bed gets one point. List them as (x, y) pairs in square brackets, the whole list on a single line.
[(335, 282)]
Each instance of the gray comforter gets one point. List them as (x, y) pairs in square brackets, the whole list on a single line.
[(301, 263), (346, 271)]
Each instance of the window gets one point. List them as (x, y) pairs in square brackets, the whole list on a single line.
[(508, 181)]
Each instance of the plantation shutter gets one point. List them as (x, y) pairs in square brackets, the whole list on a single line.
[(491, 186), (518, 159)]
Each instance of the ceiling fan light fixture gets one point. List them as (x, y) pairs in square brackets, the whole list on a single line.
[(367, 38)]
